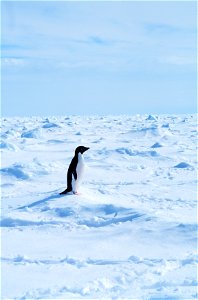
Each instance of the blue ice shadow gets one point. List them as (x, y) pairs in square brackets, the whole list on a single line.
[(49, 198)]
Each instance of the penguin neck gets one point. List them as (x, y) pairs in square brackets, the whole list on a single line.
[(80, 156)]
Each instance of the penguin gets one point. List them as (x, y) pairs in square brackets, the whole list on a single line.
[(75, 170)]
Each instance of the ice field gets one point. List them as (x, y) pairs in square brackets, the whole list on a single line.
[(130, 233)]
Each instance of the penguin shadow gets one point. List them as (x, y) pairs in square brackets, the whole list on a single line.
[(54, 196)]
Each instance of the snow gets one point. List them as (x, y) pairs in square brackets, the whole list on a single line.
[(183, 165), (156, 145), (129, 234)]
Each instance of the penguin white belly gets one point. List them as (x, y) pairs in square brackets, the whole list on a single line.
[(79, 170)]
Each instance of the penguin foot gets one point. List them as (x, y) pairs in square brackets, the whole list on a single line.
[(76, 193)]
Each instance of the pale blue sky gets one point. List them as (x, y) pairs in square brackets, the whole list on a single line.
[(61, 58)]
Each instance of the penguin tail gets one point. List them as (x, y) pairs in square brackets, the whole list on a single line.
[(64, 192)]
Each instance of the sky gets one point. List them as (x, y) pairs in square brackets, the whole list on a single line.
[(104, 57)]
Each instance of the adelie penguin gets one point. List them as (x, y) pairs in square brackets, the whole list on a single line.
[(75, 171)]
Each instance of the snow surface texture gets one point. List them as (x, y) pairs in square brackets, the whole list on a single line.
[(130, 234)]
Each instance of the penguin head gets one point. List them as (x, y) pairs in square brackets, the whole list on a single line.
[(81, 149)]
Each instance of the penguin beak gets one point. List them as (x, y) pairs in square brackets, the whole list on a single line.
[(84, 149)]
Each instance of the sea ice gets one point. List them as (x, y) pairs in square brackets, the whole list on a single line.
[(130, 234)]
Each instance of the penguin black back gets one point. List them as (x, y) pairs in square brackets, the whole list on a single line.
[(73, 170)]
